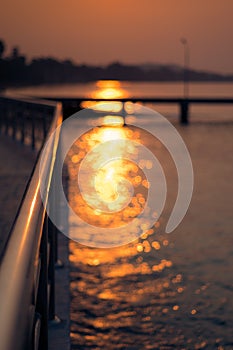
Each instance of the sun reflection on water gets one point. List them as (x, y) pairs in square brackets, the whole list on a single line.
[(144, 294), (111, 285), (107, 90), (118, 189), (117, 208)]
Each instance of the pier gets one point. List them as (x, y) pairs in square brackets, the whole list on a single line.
[(72, 105)]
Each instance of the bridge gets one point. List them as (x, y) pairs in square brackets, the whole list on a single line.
[(71, 105), (29, 251)]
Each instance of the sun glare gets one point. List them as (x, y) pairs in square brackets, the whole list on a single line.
[(111, 133), (106, 90), (109, 89), (113, 120), (113, 191)]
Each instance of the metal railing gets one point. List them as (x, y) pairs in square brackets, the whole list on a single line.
[(26, 120), (27, 266)]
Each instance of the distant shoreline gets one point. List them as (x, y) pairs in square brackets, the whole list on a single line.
[(27, 85), (16, 72)]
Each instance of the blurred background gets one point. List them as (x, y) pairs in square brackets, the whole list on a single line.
[(162, 291)]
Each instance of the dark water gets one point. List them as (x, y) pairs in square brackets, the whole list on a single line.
[(166, 291)]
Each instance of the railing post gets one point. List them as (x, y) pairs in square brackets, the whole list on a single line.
[(184, 112), (22, 125), (3, 107), (44, 126), (51, 269), (42, 298), (54, 262), (7, 112), (14, 122), (33, 130)]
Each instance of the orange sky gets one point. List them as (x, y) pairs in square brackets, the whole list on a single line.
[(131, 31)]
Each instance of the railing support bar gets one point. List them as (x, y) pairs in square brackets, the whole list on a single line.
[(184, 112), (42, 298)]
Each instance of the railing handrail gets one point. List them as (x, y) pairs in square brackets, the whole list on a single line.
[(29, 100), (21, 257)]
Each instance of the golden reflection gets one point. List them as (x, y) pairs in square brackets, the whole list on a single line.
[(141, 257), (115, 192), (106, 294), (146, 246), (104, 106), (103, 84), (110, 134), (113, 120), (176, 307), (140, 247), (102, 278), (107, 90), (162, 265), (156, 245)]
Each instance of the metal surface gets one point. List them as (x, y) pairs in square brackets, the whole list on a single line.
[(25, 255), (27, 120)]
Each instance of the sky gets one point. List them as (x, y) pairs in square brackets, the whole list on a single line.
[(129, 31)]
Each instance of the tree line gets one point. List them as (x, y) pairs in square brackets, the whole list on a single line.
[(16, 70)]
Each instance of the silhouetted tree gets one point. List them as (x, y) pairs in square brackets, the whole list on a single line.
[(14, 70), (2, 48)]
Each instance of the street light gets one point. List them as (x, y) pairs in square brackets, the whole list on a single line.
[(185, 44)]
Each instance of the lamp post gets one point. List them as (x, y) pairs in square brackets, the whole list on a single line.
[(185, 44)]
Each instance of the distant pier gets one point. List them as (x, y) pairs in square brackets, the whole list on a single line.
[(72, 105)]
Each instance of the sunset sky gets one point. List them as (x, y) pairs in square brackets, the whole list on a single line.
[(130, 31)]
